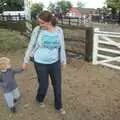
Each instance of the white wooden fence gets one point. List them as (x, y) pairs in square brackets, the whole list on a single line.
[(106, 49)]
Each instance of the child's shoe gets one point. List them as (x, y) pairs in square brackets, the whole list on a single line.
[(13, 109), (16, 101)]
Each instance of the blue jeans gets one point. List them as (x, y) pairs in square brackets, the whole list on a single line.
[(43, 71), (10, 96)]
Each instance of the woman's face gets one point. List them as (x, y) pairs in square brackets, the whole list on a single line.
[(42, 23)]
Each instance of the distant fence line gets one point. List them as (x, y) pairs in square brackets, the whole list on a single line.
[(13, 22), (12, 17), (78, 21), (106, 19), (65, 20)]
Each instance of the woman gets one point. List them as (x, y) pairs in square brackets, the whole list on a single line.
[(48, 52)]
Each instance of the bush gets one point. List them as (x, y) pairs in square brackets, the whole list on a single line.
[(11, 40)]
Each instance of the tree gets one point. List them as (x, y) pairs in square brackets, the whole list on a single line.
[(2, 5), (114, 4), (11, 5), (63, 6), (2, 2), (35, 9), (51, 7), (80, 5)]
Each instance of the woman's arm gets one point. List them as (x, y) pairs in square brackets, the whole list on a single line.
[(62, 49), (31, 45)]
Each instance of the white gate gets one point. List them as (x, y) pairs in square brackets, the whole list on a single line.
[(106, 49)]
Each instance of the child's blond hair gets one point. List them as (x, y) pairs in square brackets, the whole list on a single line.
[(4, 61)]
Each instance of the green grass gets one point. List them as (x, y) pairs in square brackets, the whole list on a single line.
[(11, 40)]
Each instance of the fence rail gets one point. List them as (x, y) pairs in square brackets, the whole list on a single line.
[(11, 18), (83, 37), (106, 49), (74, 21)]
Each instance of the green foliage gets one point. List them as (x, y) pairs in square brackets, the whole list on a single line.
[(115, 4), (35, 9), (11, 5), (80, 5), (11, 40), (2, 5), (51, 7), (63, 6)]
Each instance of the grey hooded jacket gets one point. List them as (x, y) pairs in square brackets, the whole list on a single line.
[(33, 45), (7, 79)]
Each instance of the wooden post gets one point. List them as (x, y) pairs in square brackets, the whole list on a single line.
[(69, 20), (78, 21), (19, 17), (62, 19), (89, 44), (88, 39)]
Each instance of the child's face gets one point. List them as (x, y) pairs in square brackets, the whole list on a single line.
[(8, 65), (5, 64)]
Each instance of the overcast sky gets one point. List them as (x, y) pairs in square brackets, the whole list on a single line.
[(88, 3)]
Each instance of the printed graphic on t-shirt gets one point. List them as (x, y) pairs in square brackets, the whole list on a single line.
[(50, 40)]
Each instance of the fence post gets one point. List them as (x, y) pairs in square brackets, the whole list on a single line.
[(78, 21), (69, 20), (19, 17), (95, 46), (2, 17), (62, 19), (89, 44)]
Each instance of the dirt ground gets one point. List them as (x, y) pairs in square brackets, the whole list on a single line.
[(89, 93)]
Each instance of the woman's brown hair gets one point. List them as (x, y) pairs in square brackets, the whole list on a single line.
[(48, 17)]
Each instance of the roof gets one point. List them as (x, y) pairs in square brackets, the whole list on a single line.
[(74, 10), (87, 10)]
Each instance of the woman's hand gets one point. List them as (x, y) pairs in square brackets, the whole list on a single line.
[(24, 66)]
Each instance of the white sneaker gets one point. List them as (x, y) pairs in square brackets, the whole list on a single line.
[(42, 105), (61, 111)]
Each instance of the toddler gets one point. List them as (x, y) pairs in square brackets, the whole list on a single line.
[(8, 83)]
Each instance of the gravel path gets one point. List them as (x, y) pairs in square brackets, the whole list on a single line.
[(89, 93)]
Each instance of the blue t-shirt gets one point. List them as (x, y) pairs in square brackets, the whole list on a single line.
[(47, 52)]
